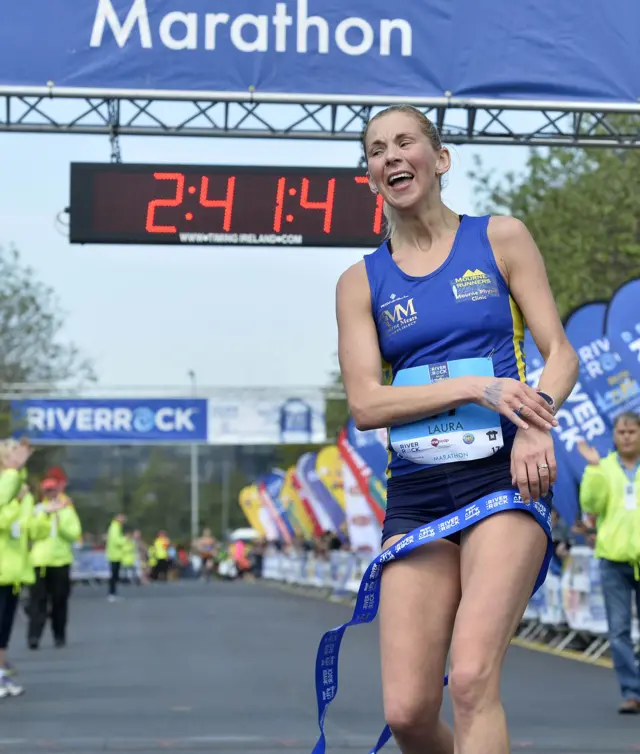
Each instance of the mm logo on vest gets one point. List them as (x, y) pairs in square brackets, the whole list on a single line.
[(109, 421), (396, 316)]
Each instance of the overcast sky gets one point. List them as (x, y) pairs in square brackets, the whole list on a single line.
[(146, 315)]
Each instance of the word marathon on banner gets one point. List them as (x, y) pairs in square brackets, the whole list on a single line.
[(363, 49)]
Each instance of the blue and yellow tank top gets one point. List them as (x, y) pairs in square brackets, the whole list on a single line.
[(459, 319)]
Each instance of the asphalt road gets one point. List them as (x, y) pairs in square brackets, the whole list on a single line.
[(225, 668)]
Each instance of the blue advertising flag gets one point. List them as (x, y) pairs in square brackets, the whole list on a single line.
[(622, 325), (322, 496), (273, 483), (579, 418), (602, 372), (371, 447), (565, 489), (126, 421), (369, 49)]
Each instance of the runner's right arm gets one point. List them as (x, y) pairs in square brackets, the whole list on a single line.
[(374, 405)]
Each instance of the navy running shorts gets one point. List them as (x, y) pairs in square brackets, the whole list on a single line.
[(429, 494)]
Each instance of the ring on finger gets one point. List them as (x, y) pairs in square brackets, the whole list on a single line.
[(543, 466), (520, 409)]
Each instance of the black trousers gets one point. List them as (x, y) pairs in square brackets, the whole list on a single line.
[(161, 570), (115, 578), (8, 605), (49, 595)]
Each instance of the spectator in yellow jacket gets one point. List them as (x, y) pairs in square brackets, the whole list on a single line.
[(52, 558), (16, 528), (610, 489), (115, 550), (161, 551), (130, 559), (20, 524)]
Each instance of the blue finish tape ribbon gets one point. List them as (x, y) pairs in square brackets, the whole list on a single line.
[(368, 597)]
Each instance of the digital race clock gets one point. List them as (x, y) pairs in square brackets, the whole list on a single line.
[(223, 205)]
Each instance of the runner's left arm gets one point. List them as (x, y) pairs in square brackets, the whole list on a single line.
[(533, 462), (519, 257)]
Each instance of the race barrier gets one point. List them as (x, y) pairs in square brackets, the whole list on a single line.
[(570, 609), (90, 565), (566, 613), (338, 575)]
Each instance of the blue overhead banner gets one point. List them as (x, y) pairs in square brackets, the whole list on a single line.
[(115, 422), (543, 50)]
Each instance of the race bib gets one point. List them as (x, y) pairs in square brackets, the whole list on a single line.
[(630, 497), (466, 433)]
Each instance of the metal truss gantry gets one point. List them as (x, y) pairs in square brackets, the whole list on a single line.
[(482, 122), (17, 391)]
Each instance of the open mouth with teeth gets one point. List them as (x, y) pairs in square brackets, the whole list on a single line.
[(400, 180)]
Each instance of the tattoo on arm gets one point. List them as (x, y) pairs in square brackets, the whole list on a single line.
[(493, 393)]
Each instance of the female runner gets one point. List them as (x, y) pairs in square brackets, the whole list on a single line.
[(445, 288)]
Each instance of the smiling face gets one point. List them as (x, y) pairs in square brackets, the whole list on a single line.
[(405, 159)]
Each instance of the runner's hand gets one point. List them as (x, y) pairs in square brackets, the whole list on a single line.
[(517, 401), (533, 463), (590, 455)]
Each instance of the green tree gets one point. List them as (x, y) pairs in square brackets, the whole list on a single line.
[(94, 517), (155, 494), (212, 494), (31, 321), (582, 208), (337, 408), (288, 455), (159, 496), (32, 347)]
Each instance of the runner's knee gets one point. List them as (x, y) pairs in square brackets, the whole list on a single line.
[(473, 682), (413, 717)]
